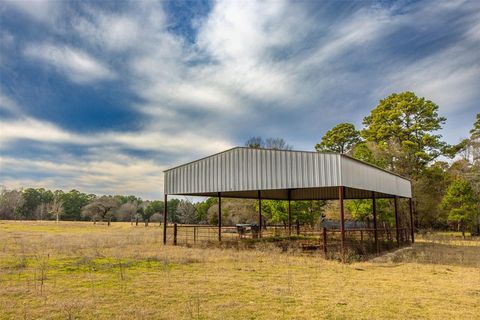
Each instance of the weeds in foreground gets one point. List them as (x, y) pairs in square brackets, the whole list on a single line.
[(122, 273)]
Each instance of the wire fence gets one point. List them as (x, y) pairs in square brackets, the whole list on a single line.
[(357, 241)]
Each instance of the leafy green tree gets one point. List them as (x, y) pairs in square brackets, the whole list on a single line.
[(32, 199), (461, 203), (429, 188), (369, 152), (475, 132), (405, 126), (360, 209), (202, 209), (474, 141), (305, 212), (172, 210), (152, 208), (130, 198), (341, 139), (73, 202)]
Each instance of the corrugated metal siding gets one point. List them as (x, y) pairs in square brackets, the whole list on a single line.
[(244, 169), (358, 175), (254, 169)]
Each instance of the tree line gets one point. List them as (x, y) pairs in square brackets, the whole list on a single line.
[(42, 204)]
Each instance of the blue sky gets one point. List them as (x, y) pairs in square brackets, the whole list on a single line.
[(102, 96)]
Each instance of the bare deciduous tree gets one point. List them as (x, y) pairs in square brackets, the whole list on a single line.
[(101, 208), (10, 202)]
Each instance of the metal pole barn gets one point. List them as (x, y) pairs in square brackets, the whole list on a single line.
[(165, 211), (341, 195), (251, 173), (219, 216), (397, 227), (412, 226), (375, 230)]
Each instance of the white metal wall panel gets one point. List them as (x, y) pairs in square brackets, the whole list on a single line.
[(359, 175), (244, 169)]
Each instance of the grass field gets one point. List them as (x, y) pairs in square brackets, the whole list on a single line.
[(75, 270)]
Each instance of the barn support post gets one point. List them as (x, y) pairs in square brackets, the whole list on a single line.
[(289, 192), (397, 226), (412, 226), (175, 233), (375, 229), (165, 212), (219, 217), (260, 214), (341, 195)]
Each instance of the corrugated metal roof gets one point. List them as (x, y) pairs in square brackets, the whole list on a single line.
[(241, 172)]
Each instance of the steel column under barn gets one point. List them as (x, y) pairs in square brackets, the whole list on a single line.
[(412, 226), (341, 195), (289, 212), (219, 216), (259, 213), (397, 226), (375, 230), (165, 211)]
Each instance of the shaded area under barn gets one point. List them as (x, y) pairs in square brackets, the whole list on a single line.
[(290, 175)]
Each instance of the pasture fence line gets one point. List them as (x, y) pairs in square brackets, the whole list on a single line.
[(357, 240)]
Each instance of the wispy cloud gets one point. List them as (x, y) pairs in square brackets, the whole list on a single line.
[(45, 11), (75, 64)]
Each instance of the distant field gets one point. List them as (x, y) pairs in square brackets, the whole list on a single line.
[(77, 270)]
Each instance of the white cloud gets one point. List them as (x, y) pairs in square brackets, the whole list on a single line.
[(113, 32), (8, 104), (31, 129), (45, 11), (75, 64)]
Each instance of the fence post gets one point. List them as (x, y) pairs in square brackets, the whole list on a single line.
[(194, 234), (175, 234), (324, 241)]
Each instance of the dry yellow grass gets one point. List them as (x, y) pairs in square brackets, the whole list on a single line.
[(82, 271)]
